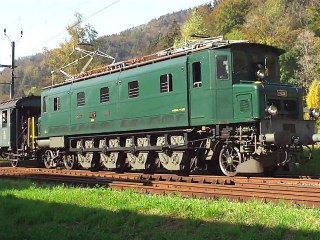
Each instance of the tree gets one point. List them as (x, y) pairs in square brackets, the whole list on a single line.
[(173, 33), (79, 35), (231, 15), (208, 18), (164, 41), (308, 58), (269, 23), (313, 16), (193, 25), (289, 65), (313, 95), (313, 98)]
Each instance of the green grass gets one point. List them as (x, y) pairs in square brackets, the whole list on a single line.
[(31, 211), (310, 167)]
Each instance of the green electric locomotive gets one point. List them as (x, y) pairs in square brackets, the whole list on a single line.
[(207, 105)]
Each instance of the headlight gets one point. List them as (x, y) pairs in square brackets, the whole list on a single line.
[(314, 114), (272, 110)]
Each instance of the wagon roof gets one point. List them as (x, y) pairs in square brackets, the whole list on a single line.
[(29, 101)]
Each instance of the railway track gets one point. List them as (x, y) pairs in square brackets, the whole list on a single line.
[(301, 191)]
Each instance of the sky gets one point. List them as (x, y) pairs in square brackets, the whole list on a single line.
[(44, 22)]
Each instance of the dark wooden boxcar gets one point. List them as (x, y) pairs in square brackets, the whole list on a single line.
[(15, 143)]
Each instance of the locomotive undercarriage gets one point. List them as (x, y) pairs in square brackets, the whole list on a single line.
[(230, 149), (138, 152)]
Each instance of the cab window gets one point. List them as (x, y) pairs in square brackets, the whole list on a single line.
[(222, 67), (4, 118), (56, 104), (196, 76), (44, 104)]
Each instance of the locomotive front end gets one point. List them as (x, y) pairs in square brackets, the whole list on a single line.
[(283, 130), (276, 132), (283, 123)]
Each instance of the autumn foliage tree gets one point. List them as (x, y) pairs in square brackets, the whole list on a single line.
[(230, 15), (313, 98), (79, 35), (194, 25), (269, 23), (313, 17), (308, 59)]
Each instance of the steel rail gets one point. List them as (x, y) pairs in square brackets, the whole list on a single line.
[(237, 188)]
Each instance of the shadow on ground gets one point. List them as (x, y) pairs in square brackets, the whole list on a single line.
[(28, 219)]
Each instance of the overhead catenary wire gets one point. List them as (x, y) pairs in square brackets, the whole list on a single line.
[(42, 39), (214, 2), (77, 23), (25, 14)]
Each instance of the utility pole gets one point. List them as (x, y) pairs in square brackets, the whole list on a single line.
[(12, 71), (12, 66)]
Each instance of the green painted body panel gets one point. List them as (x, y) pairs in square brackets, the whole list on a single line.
[(247, 101), (250, 100), (211, 103), (201, 97), (213, 98), (224, 91), (150, 110)]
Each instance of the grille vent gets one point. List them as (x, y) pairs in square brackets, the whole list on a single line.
[(244, 105)]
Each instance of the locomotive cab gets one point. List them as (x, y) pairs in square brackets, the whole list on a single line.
[(255, 62)]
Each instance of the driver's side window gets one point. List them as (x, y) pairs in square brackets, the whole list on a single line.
[(222, 67)]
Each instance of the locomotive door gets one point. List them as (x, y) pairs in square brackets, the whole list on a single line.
[(223, 78), (200, 94)]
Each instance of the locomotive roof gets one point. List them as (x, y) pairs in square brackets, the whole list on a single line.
[(166, 55), (243, 45), (29, 101)]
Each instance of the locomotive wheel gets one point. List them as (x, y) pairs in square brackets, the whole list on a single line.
[(48, 159), (229, 159), (70, 162), (14, 162)]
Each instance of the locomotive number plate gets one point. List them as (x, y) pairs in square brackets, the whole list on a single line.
[(282, 93)]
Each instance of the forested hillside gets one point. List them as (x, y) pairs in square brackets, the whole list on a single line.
[(293, 25)]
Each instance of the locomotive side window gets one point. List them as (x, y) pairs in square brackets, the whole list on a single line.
[(133, 89), (104, 95), (196, 73), (222, 67), (44, 104), (166, 83), (56, 104), (4, 118), (240, 65), (81, 101)]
